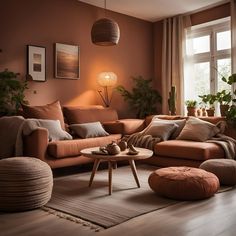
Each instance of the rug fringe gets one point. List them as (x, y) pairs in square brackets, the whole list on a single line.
[(77, 220)]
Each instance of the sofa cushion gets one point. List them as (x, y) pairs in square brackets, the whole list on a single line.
[(88, 130), (189, 150), (50, 111), (198, 130), (68, 148), (160, 129), (85, 114), (181, 123), (131, 126), (55, 132)]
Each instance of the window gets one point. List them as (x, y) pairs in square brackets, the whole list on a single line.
[(207, 59)]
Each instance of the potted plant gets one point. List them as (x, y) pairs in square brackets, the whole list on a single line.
[(231, 115), (143, 98), (11, 93), (209, 100), (224, 99), (191, 107)]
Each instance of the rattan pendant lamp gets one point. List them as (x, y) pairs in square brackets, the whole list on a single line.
[(105, 31)]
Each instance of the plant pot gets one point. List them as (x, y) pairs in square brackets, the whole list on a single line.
[(224, 109), (204, 113), (210, 112), (192, 111)]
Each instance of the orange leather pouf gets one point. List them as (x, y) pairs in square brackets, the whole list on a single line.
[(183, 183)]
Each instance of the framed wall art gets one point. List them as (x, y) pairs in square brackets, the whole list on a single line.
[(66, 61), (36, 62)]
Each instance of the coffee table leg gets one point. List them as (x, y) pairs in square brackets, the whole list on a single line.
[(110, 177), (95, 167), (133, 168)]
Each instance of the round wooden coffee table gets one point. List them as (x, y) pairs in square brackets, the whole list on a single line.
[(111, 159)]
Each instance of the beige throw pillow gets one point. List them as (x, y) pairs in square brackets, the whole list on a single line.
[(55, 131), (160, 129), (88, 130), (181, 123), (198, 130)]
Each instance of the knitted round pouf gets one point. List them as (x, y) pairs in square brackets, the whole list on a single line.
[(25, 183), (183, 183), (224, 169)]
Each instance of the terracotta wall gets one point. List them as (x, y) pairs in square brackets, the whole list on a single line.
[(196, 18), (46, 22)]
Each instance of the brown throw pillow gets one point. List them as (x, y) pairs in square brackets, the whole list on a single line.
[(88, 130), (198, 130), (51, 111)]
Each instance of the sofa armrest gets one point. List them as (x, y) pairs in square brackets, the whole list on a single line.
[(113, 127), (131, 126), (35, 144)]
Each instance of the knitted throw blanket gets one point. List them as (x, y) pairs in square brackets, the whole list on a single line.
[(141, 140), (227, 143)]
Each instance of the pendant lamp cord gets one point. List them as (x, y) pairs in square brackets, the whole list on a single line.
[(105, 7)]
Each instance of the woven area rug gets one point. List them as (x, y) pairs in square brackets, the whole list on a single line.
[(72, 195)]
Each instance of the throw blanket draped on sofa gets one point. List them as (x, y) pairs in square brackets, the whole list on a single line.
[(11, 130), (227, 143)]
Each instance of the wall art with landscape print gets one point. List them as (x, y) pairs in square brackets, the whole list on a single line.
[(66, 61)]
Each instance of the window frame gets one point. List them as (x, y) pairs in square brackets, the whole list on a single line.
[(213, 55)]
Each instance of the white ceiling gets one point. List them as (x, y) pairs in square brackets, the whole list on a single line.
[(153, 10)]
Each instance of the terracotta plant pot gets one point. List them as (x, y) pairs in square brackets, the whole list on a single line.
[(192, 111), (224, 109), (204, 113), (210, 112)]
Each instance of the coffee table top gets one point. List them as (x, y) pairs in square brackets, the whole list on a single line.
[(143, 154)]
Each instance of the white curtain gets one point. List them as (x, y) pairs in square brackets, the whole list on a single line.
[(172, 60), (233, 36)]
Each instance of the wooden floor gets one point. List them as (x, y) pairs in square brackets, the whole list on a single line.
[(214, 216)]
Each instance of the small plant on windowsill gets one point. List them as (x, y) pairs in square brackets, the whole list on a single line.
[(209, 100), (225, 98), (191, 107), (143, 98)]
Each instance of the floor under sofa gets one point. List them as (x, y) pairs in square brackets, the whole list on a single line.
[(214, 216)]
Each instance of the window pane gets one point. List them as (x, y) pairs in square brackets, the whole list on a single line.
[(223, 40), (224, 69), (197, 82), (201, 44)]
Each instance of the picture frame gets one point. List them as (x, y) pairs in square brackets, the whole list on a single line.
[(67, 61), (36, 63)]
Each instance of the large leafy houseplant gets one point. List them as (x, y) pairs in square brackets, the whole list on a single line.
[(11, 93), (143, 98)]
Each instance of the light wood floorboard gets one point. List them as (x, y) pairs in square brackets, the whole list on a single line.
[(212, 217)]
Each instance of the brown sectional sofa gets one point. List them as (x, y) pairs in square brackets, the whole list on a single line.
[(67, 152), (187, 152)]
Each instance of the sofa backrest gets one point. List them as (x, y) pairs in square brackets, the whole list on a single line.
[(86, 114)]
